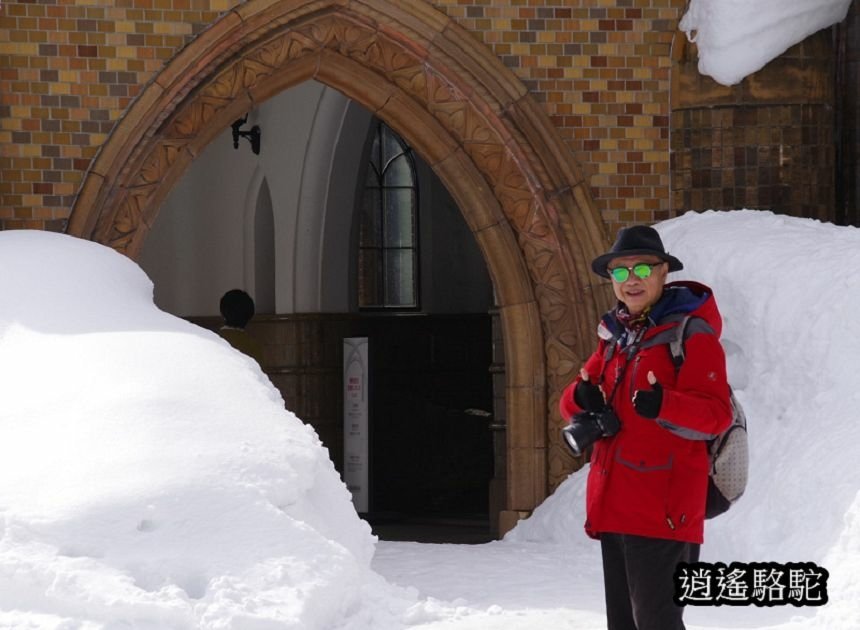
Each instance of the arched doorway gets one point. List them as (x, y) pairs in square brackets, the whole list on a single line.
[(520, 189)]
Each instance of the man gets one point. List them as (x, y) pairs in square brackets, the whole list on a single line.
[(647, 483), (237, 309)]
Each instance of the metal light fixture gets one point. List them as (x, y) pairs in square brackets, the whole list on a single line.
[(252, 135)]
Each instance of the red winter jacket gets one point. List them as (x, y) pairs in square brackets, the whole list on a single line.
[(651, 478)]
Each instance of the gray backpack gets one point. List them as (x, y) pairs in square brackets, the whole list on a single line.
[(729, 451)]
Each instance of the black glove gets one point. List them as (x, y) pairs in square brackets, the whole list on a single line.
[(589, 396), (648, 401)]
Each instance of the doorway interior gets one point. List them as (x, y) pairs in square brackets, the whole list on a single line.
[(287, 227)]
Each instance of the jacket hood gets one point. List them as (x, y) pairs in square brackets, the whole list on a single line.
[(690, 297)]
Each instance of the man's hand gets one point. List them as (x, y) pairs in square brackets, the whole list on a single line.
[(649, 401), (588, 395)]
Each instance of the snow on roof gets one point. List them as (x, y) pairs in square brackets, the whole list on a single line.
[(736, 38)]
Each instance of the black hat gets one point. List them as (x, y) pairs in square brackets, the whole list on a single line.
[(638, 239)]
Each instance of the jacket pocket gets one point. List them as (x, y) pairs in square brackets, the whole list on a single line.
[(644, 462), (641, 479)]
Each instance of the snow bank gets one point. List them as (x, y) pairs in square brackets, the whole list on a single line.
[(788, 290), (151, 479), (738, 37), (149, 474)]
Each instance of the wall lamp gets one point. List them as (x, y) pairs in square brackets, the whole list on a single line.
[(252, 135)]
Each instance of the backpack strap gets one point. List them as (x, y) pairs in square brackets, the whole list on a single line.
[(676, 345), (674, 338), (686, 328)]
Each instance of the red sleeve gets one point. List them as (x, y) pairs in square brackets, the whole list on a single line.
[(699, 402), (594, 366)]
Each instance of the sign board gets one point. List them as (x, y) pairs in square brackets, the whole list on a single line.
[(356, 443)]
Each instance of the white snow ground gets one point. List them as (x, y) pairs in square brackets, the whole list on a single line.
[(150, 477)]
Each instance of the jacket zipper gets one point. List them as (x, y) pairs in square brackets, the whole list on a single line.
[(633, 376)]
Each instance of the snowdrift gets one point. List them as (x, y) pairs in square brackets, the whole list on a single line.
[(149, 474)]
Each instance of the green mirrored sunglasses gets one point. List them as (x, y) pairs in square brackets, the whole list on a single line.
[(640, 270)]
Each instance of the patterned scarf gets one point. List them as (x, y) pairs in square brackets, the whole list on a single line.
[(632, 323)]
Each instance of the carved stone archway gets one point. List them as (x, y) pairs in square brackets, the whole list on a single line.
[(517, 183)]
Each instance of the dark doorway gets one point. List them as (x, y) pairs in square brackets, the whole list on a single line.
[(431, 442)]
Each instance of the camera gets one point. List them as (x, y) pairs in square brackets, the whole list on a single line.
[(587, 427)]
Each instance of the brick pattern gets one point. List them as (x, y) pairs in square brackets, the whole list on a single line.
[(68, 71), (601, 69), (764, 143), (774, 157)]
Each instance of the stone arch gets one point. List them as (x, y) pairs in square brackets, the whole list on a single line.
[(520, 189)]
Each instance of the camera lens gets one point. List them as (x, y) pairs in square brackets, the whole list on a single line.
[(581, 433)]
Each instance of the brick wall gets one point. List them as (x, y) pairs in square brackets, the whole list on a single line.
[(69, 69), (601, 70), (764, 143)]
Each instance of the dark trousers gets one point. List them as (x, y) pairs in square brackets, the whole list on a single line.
[(637, 577)]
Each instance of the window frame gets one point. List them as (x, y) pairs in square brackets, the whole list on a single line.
[(376, 141)]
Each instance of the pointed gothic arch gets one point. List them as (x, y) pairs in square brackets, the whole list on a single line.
[(519, 187)]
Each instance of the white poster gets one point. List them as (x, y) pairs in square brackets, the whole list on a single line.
[(355, 422)]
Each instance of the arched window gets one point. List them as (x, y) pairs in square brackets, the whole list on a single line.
[(388, 237)]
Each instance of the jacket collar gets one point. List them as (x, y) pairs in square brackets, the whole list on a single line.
[(678, 298)]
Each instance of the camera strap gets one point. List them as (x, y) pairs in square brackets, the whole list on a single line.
[(629, 350)]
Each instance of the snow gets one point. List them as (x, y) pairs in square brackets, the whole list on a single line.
[(736, 38), (151, 478), (150, 474)]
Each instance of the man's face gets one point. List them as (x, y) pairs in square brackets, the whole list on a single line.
[(639, 293)]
